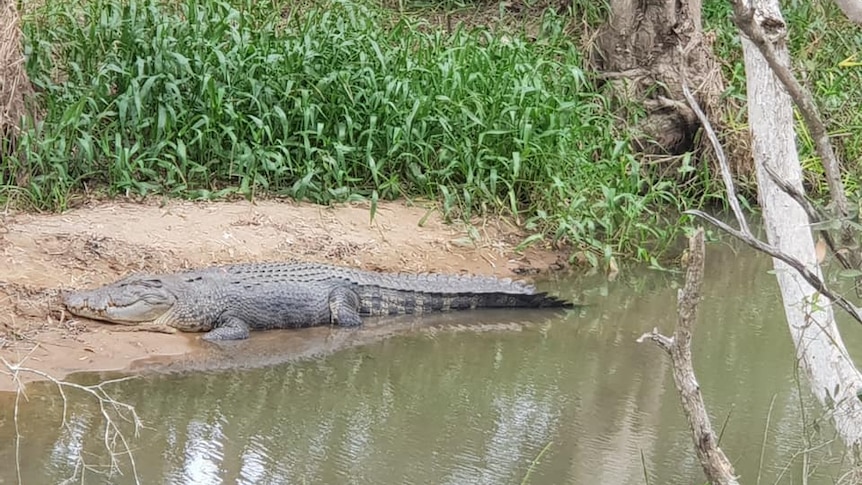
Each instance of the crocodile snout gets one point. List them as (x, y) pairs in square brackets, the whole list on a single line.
[(116, 305)]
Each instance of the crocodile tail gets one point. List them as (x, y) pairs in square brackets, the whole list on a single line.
[(509, 300), (378, 301)]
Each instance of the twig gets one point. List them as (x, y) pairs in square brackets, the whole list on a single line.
[(813, 214), (765, 436), (17, 438), (715, 463), (627, 74), (535, 462), (154, 328), (108, 407)]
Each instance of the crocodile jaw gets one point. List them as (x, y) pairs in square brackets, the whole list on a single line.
[(121, 304), (132, 314)]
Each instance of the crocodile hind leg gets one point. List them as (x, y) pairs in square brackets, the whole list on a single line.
[(344, 307), (230, 328)]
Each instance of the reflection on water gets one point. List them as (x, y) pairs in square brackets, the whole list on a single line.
[(469, 398)]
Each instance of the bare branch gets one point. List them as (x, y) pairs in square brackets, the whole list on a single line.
[(816, 282), (726, 176), (716, 466), (813, 214), (657, 338), (110, 408), (745, 233)]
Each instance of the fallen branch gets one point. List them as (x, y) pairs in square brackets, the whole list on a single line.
[(716, 466)]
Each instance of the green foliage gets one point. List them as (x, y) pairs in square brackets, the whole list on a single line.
[(335, 102)]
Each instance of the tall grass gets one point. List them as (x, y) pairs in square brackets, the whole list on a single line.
[(337, 101)]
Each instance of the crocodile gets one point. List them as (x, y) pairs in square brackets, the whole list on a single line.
[(227, 302)]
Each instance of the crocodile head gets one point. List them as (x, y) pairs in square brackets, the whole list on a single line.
[(132, 300)]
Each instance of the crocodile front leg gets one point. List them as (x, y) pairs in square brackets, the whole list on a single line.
[(231, 328), (344, 307)]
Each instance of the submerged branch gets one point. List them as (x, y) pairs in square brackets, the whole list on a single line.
[(716, 466)]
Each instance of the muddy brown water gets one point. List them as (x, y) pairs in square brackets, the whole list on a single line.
[(468, 398)]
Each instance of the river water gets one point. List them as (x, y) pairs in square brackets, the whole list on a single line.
[(467, 398)]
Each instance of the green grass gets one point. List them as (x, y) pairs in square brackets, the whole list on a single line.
[(339, 101), (342, 99)]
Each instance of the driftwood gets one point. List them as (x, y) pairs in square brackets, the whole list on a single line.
[(717, 467)]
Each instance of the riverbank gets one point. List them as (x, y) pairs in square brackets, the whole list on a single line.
[(43, 254)]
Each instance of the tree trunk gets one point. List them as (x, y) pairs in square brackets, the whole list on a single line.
[(834, 379), (642, 51), (852, 9)]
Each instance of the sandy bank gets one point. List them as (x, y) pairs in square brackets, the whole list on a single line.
[(42, 254)]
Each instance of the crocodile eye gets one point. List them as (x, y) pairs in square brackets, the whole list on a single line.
[(152, 283)]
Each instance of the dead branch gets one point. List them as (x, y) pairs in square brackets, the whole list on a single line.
[(110, 409), (815, 281), (813, 214), (726, 176), (718, 469), (744, 20), (744, 233)]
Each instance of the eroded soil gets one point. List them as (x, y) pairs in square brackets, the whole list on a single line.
[(42, 255)]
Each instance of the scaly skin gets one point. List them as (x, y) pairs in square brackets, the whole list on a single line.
[(228, 301)]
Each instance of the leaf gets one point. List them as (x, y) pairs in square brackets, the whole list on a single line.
[(820, 249), (849, 273), (850, 62), (529, 241)]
